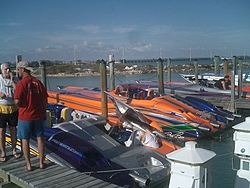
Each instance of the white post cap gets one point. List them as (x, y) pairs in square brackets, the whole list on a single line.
[(244, 125), (190, 154)]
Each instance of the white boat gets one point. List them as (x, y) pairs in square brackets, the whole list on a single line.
[(211, 78)]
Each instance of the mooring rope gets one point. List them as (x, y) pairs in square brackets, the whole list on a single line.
[(122, 170)]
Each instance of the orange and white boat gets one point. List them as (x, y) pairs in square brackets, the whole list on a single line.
[(159, 111)]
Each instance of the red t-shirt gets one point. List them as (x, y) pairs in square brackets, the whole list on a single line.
[(31, 93)]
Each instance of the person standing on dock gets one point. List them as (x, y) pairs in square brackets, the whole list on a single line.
[(31, 97), (223, 83), (8, 110)]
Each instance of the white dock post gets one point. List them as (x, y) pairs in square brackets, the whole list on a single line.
[(190, 167), (242, 150)]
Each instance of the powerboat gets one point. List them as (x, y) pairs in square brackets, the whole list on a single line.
[(82, 145), (85, 145), (210, 78), (146, 166)]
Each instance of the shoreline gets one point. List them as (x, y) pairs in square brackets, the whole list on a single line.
[(138, 71), (94, 74), (130, 72)]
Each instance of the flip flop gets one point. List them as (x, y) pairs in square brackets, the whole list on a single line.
[(17, 155), (3, 159)]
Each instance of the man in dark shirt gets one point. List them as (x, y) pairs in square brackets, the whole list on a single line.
[(223, 83)]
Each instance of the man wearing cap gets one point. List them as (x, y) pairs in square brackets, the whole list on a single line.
[(31, 97), (8, 110)]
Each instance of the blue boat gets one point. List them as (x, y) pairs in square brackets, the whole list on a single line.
[(81, 156)]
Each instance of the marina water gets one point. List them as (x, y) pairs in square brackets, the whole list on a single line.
[(223, 175)]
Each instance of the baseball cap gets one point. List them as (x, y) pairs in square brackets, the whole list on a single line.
[(24, 64)]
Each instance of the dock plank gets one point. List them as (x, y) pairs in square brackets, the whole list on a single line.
[(70, 179), (12, 164), (55, 178), (43, 174), (13, 171), (84, 181), (94, 183)]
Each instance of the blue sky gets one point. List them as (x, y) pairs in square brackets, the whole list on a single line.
[(140, 29)]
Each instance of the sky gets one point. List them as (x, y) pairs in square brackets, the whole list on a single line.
[(90, 30)]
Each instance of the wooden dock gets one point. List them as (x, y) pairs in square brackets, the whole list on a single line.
[(14, 175), (241, 105)]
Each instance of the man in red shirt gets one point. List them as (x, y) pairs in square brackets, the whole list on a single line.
[(31, 98)]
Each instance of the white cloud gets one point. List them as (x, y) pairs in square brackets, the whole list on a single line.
[(59, 47), (85, 44), (160, 30), (61, 38), (142, 48), (101, 44), (123, 30), (38, 50), (90, 28)]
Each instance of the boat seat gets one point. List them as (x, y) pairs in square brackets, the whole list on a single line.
[(65, 115), (150, 94), (140, 95), (117, 90)]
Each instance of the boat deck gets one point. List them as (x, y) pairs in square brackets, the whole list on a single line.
[(13, 174)]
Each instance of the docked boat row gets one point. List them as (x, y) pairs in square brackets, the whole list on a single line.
[(171, 114)]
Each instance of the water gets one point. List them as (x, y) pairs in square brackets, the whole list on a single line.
[(94, 81), (222, 174)]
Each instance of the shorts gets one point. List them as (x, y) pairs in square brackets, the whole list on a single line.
[(26, 129), (8, 119)]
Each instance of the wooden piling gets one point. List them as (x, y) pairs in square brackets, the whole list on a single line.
[(169, 70), (103, 73), (18, 59), (240, 64), (232, 101), (216, 65), (160, 76), (196, 71), (112, 76), (240, 79), (239, 83), (234, 64), (43, 73), (225, 66)]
